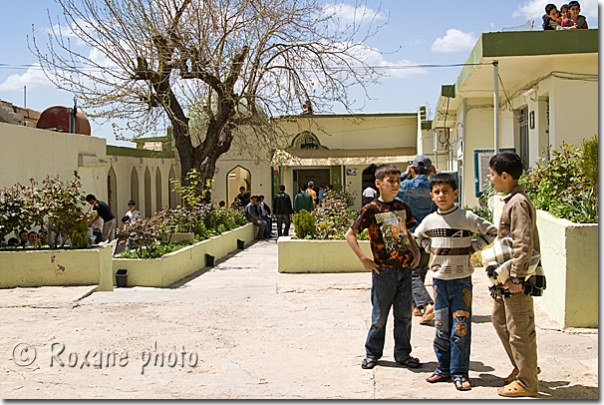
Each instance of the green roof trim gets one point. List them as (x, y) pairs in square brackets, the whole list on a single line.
[(407, 114), (532, 43), (427, 125), (123, 151), (152, 139)]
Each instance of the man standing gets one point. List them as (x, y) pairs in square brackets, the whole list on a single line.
[(311, 190), (282, 205), (303, 200), (416, 193), (103, 211)]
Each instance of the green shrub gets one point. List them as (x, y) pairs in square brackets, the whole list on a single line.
[(304, 225), (566, 186), (483, 210), (157, 251)]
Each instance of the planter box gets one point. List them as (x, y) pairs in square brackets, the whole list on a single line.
[(319, 256), (168, 269), (37, 268), (569, 255)]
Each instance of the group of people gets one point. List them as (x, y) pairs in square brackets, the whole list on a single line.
[(405, 229), (259, 213), (567, 18), (29, 239)]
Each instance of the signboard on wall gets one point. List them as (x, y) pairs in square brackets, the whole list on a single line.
[(481, 168)]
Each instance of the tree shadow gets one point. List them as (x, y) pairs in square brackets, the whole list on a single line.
[(481, 318)]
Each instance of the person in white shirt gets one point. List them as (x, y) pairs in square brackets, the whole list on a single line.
[(133, 214), (369, 195)]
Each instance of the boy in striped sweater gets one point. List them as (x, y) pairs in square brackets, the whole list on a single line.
[(447, 234)]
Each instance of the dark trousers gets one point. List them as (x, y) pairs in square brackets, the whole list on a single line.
[(421, 296), (390, 288), (283, 219)]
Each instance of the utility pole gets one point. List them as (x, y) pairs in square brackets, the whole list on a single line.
[(496, 105)]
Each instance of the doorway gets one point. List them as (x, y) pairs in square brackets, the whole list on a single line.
[(237, 177), (321, 177)]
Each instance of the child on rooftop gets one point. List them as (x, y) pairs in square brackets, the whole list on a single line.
[(576, 21)]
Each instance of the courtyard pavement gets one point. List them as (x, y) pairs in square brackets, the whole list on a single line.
[(242, 330)]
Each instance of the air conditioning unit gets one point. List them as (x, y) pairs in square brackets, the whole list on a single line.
[(442, 136)]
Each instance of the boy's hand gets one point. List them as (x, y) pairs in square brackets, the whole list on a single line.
[(370, 265), (415, 262), (513, 288)]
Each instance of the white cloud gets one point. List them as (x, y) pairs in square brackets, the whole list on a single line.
[(347, 14), (454, 41), (534, 9), (33, 78), (400, 69), (72, 31)]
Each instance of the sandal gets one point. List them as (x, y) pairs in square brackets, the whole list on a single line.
[(514, 389), (436, 377), (368, 363), (462, 384), (410, 362), (514, 374)]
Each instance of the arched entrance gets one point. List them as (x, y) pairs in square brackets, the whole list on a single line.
[(134, 186), (158, 193), (173, 198), (368, 179), (237, 177), (148, 209), (112, 190)]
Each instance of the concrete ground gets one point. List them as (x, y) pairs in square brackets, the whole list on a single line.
[(242, 330)]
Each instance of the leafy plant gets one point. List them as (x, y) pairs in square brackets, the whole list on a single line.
[(304, 224), (145, 236), (482, 209), (63, 201), (156, 252), (58, 201), (190, 194), (566, 185)]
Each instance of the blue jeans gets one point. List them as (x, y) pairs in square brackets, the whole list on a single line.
[(392, 287), (453, 315)]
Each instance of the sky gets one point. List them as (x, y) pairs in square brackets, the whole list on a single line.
[(416, 33)]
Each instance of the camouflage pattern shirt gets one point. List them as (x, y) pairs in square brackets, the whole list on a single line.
[(387, 225)]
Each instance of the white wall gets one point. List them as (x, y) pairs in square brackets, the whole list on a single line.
[(35, 153)]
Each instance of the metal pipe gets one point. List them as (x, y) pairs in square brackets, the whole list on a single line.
[(496, 105)]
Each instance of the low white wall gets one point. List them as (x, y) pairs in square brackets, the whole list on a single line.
[(318, 256), (168, 269), (37, 268), (569, 255)]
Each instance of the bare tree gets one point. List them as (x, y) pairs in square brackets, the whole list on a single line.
[(229, 63)]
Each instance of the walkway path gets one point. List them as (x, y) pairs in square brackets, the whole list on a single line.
[(250, 332)]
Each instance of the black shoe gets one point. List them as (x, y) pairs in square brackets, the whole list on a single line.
[(410, 362), (368, 363)]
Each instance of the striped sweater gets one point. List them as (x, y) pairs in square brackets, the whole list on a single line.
[(448, 236)]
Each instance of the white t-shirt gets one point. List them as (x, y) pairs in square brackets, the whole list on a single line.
[(369, 192), (133, 215)]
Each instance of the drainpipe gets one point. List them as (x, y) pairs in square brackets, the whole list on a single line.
[(496, 105)]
